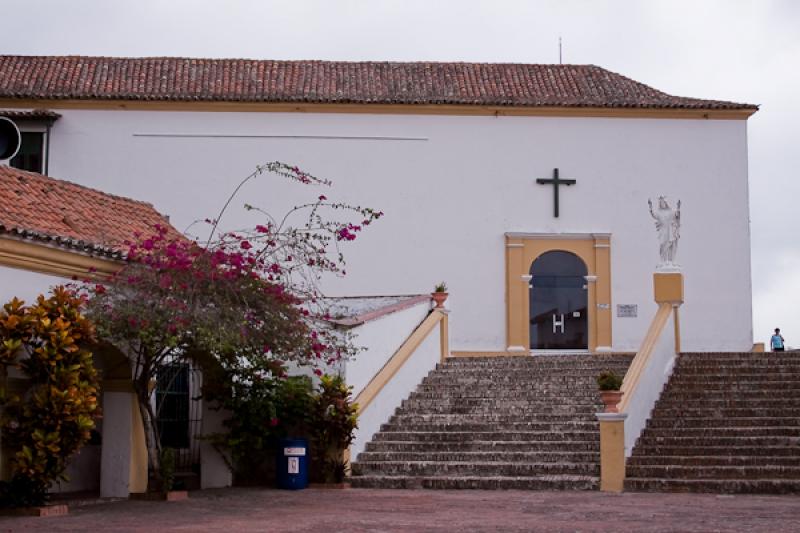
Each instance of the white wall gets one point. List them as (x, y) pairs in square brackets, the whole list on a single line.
[(451, 187), (381, 338)]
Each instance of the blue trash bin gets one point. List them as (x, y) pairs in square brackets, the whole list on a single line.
[(292, 468)]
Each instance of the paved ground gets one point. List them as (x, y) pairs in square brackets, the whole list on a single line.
[(358, 510)]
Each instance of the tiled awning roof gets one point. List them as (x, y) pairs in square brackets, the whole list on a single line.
[(33, 114), (369, 82), (71, 216)]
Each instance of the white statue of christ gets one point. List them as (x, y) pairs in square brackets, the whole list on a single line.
[(668, 226)]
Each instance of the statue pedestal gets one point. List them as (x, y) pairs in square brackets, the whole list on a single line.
[(668, 287)]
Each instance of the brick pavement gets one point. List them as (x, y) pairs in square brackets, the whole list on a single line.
[(361, 510)]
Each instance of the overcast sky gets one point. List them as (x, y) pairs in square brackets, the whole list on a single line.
[(745, 51)]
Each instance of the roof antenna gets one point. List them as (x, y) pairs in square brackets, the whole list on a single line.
[(559, 50)]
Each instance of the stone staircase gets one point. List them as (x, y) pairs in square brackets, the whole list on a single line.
[(726, 423), (494, 423)]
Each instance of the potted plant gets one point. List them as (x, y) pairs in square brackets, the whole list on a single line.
[(609, 383), (439, 294)]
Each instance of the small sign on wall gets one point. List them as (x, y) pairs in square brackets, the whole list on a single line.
[(627, 310)]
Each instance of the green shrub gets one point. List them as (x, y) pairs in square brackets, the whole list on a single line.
[(334, 419), (609, 380), (48, 423), (167, 469), (261, 412)]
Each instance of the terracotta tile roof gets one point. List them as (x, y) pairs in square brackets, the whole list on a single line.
[(72, 216), (33, 114), (246, 80)]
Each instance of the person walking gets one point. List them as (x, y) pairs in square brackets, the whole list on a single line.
[(776, 342)]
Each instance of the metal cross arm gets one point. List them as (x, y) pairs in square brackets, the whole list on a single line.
[(555, 182)]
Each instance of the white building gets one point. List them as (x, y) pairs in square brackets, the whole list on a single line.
[(451, 153)]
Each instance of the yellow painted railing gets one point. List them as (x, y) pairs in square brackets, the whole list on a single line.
[(406, 350), (640, 361)]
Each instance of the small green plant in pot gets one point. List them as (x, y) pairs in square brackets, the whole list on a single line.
[(440, 294), (609, 383)]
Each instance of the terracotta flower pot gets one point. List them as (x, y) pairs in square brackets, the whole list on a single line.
[(611, 398), (439, 298)]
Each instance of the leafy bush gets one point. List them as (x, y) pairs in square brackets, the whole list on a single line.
[(609, 380), (334, 419), (440, 287), (262, 410), (48, 423)]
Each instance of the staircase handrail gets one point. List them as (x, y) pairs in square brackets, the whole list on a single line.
[(403, 353), (632, 377)]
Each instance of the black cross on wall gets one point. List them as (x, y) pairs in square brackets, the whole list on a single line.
[(555, 182)]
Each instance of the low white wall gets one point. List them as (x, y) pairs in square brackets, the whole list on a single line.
[(116, 449), (651, 384), (83, 471), (383, 406), (214, 471), (380, 339)]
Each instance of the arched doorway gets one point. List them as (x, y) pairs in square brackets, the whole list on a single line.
[(558, 302)]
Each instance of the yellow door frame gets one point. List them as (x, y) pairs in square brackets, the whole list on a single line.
[(522, 249)]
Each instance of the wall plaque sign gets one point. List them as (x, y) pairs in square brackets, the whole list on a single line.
[(627, 310)]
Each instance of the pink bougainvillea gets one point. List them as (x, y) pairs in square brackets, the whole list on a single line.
[(247, 300)]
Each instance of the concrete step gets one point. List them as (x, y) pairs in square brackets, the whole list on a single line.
[(543, 405), (470, 469), (722, 412), (759, 431), (715, 402), (693, 378), (403, 417), (715, 441), (509, 393), (554, 427), (738, 367), (483, 446), (525, 411), (556, 482), (743, 422), (485, 457), (714, 472), (526, 372), (552, 360), (710, 460), (691, 450), (497, 436), (732, 388), (717, 486)]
